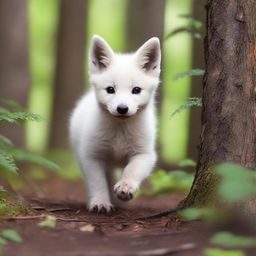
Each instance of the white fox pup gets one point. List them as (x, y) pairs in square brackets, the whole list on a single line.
[(114, 124)]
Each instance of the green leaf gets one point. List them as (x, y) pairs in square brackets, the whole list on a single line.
[(21, 155), (49, 222), (230, 240), (197, 213), (5, 141), (191, 102), (13, 105), (163, 182), (197, 35), (191, 72), (237, 183), (187, 163), (12, 235), (2, 242), (18, 117), (220, 252), (180, 30), (7, 161)]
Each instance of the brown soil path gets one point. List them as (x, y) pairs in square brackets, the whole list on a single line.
[(119, 234)]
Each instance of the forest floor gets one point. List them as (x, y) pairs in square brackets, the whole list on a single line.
[(80, 233)]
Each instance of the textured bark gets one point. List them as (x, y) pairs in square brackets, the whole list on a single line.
[(69, 81), (228, 117), (14, 67), (199, 13)]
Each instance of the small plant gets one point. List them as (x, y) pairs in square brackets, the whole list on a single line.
[(221, 252), (193, 27), (191, 102), (49, 222), (191, 72), (9, 235), (236, 184), (163, 182), (14, 114)]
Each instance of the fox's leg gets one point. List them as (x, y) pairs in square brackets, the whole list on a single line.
[(134, 173), (97, 187)]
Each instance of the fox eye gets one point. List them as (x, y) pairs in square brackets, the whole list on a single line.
[(136, 90), (110, 90)]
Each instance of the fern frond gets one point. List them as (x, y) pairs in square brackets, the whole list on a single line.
[(191, 72), (7, 161), (20, 155), (191, 102), (18, 117), (5, 141), (14, 106)]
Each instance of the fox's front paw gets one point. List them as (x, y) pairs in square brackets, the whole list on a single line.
[(103, 208), (124, 190)]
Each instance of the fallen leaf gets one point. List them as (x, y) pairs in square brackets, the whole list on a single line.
[(87, 228), (49, 222)]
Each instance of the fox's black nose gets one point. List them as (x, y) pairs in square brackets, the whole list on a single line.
[(122, 109)]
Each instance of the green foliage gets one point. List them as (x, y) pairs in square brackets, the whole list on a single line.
[(197, 213), (9, 206), (13, 113), (7, 161), (49, 222), (187, 163), (191, 72), (11, 235), (163, 182), (191, 102), (220, 252), (193, 28), (237, 183), (228, 239)]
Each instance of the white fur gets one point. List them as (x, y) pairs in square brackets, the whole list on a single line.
[(103, 139)]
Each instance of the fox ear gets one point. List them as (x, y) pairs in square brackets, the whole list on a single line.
[(149, 56), (101, 54)]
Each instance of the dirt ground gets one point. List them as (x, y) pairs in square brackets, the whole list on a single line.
[(80, 233)]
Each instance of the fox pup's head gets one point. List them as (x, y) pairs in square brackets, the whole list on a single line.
[(124, 83)]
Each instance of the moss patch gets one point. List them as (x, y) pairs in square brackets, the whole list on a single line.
[(10, 206)]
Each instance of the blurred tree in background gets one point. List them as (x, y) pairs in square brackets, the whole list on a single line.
[(70, 74), (14, 60), (145, 19), (199, 14)]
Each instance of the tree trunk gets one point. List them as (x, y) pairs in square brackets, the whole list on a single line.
[(228, 117), (145, 19), (69, 80), (14, 67), (199, 13)]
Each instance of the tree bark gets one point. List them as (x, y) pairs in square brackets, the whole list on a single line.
[(70, 76), (14, 64), (228, 116), (199, 13)]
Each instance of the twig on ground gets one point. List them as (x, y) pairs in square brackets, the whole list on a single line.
[(159, 234), (160, 214), (24, 217), (166, 251), (59, 209)]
